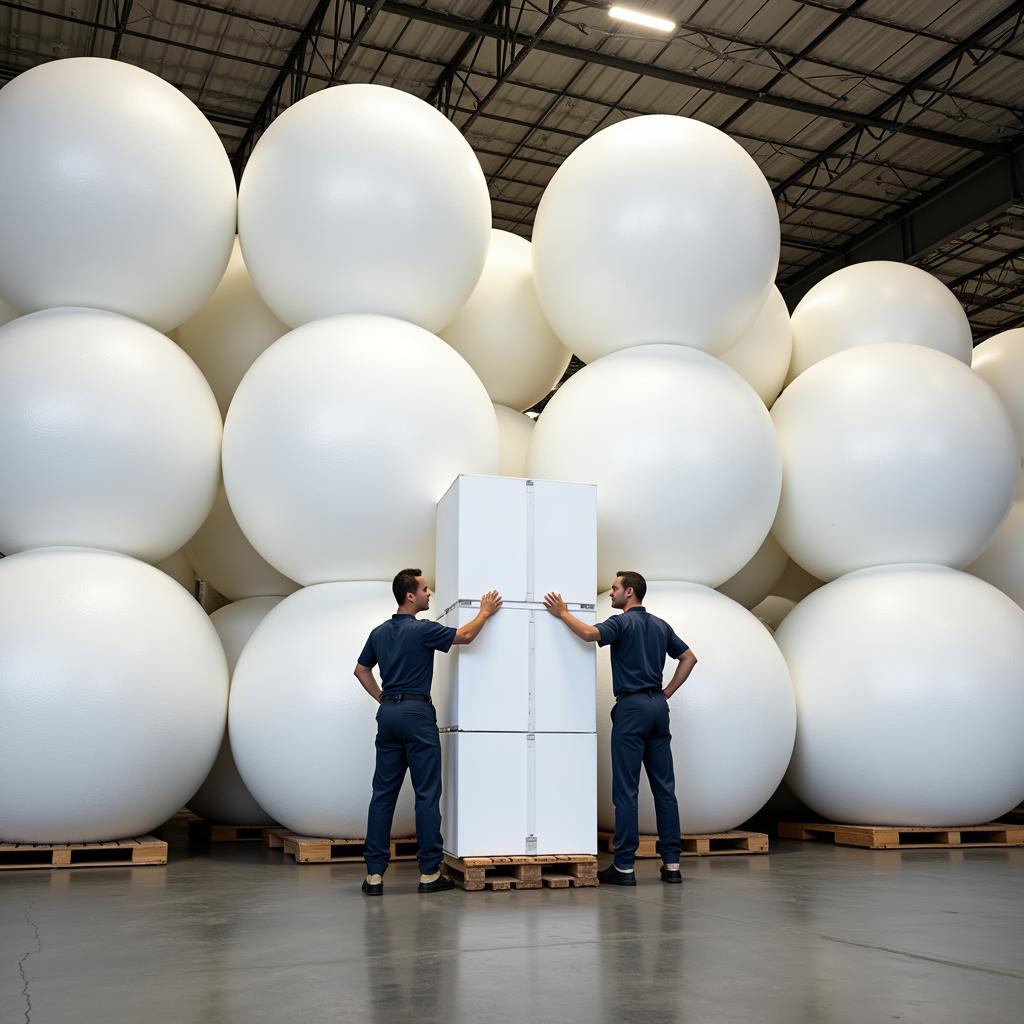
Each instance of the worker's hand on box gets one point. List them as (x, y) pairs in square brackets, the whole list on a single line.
[(555, 605), (490, 603)]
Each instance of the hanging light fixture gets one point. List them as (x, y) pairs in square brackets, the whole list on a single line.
[(640, 18)]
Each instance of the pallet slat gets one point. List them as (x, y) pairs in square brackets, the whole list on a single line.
[(320, 850), (212, 832), (561, 871), (711, 844), (273, 838), (138, 852), (890, 837)]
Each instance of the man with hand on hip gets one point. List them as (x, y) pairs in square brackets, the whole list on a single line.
[(407, 734), (639, 644)]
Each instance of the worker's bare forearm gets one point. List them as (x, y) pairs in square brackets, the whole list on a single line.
[(584, 630), (471, 630), (490, 604)]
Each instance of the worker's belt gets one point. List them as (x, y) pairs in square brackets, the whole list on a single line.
[(636, 693), (397, 698)]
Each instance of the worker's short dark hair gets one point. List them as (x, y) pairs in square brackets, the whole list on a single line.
[(634, 580), (405, 583)]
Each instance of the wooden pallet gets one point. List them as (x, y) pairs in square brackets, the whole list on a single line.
[(131, 852), (557, 871), (710, 844), (891, 837), (210, 832), (273, 838), (319, 850)]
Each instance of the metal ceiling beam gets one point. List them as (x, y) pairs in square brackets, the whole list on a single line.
[(987, 268), (773, 48), (146, 37), (585, 56), (631, 110), (890, 23), (121, 14), (1015, 292), (981, 191), (831, 63), (549, 109), (854, 12), (485, 150), (990, 331), (953, 55), (441, 90), (315, 76), (608, 105), (292, 65), (836, 23), (961, 248), (518, 56), (295, 71), (355, 41), (256, 19)]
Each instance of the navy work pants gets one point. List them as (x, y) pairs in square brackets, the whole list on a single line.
[(641, 736), (406, 738)]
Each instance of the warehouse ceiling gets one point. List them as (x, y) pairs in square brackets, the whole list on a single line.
[(887, 129)]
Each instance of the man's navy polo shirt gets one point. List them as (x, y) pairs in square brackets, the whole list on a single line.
[(404, 648), (639, 642)]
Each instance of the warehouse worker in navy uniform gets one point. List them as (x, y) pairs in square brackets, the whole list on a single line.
[(640, 722), (407, 734)]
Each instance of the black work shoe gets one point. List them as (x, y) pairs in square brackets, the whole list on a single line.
[(440, 884), (673, 877), (613, 876), (373, 890)]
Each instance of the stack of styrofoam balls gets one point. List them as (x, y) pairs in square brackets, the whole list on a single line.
[(365, 338)]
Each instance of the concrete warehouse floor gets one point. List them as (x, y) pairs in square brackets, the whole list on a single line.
[(238, 934)]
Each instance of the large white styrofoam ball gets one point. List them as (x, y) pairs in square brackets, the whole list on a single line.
[(364, 199), (873, 303), (501, 331), (757, 579), (113, 694), (341, 439), (656, 229), (115, 193), (224, 558), (733, 721), (1000, 362), (686, 489), (223, 796), (179, 568), (761, 356), (230, 331), (515, 431), (293, 690), (1002, 562), (109, 436), (909, 698), (891, 453)]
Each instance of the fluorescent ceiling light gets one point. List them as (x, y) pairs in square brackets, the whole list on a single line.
[(639, 18)]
